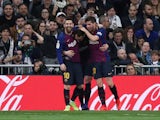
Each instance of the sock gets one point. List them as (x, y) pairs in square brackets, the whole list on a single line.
[(87, 92), (75, 93), (80, 91), (66, 96), (101, 94), (114, 92)]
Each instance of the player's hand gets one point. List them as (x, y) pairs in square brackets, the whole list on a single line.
[(104, 47), (63, 67), (82, 28), (100, 25), (69, 53)]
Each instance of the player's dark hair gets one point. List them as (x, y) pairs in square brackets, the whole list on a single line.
[(90, 18), (78, 33)]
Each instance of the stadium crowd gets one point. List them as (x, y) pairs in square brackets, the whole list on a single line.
[(29, 30)]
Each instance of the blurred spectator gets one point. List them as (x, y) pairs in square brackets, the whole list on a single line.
[(19, 61), (139, 44), (59, 3), (117, 43), (99, 6), (104, 20), (91, 11), (144, 55), (17, 30), (155, 61), (33, 4), (156, 9), (15, 4), (47, 4), (77, 17), (41, 28), (120, 6), (1, 7), (28, 29), (130, 40), (49, 45), (69, 11), (148, 13), (39, 68), (45, 16), (30, 49), (138, 4), (77, 6), (8, 16), (122, 59), (131, 70), (23, 10), (132, 19), (134, 59), (27, 45), (113, 18), (6, 46), (149, 34), (60, 19)]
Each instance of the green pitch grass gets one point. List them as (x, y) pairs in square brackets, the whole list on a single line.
[(80, 115)]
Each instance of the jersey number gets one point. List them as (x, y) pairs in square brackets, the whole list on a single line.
[(66, 75)]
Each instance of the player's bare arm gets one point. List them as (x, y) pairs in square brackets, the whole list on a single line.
[(104, 47), (69, 53), (89, 35)]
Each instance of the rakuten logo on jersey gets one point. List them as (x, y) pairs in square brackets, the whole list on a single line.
[(9, 100)]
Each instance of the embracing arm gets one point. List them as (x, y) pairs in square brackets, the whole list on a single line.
[(89, 35)]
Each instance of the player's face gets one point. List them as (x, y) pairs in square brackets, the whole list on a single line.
[(91, 26), (68, 26)]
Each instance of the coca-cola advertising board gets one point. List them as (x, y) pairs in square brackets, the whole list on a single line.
[(46, 93)]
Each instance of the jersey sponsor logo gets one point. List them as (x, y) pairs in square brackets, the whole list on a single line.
[(99, 33), (58, 44), (72, 44), (93, 42)]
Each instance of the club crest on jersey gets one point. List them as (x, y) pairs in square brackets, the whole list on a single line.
[(72, 44)]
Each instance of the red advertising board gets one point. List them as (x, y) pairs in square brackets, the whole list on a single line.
[(46, 93)]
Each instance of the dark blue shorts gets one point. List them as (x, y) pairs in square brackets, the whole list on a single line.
[(87, 69), (99, 70), (110, 69), (73, 75)]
